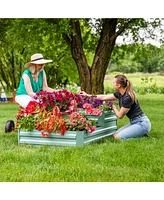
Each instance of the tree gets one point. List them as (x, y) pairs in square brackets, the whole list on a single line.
[(59, 39), (8, 56), (129, 58), (24, 37), (92, 78)]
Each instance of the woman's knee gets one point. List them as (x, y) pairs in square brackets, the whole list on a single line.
[(23, 100)]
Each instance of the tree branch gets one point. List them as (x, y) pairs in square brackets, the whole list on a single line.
[(124, 27), (66, 38)]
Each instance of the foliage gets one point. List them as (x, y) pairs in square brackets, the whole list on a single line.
[(152, 89), (130, 58), (22, 37)]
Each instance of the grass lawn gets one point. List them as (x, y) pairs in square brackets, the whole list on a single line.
[(135, 78), (108, 160)]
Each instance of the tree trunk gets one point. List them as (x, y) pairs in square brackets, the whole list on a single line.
[(102, 55), (12, 62), (75, 42), (92, 78)]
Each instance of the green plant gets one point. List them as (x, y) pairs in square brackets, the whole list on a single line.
[(44, 117), (146, 80)]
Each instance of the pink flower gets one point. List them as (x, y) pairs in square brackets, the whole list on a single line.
[(87, 106), (91, 111)]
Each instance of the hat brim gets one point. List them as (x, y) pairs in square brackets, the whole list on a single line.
[(43, 61)]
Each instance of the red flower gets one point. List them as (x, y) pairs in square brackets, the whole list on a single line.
[(31, 107)]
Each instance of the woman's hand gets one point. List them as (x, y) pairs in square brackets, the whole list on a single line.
[(57, 90), (84, 93), (113, 107)]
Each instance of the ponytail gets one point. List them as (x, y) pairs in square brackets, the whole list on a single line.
[(130, 91)]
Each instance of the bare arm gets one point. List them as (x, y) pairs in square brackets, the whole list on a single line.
[(120, 114), (104, 97), (28, 86)]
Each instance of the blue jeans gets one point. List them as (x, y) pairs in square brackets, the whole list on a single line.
[(135, 129)]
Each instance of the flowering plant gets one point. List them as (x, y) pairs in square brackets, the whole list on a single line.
[(50, 121), (63, 98), (105, 105), (27, 117), (46, 113), (39, 116), (35, 116), (94, 102), (90, 110), (77, 121)]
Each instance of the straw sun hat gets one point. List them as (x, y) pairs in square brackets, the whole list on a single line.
[(37, 59)]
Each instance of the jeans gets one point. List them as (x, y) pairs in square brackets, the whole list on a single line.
[(135, 129)]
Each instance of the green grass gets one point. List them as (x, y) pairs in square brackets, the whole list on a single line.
[(108, 160), (135, 78)]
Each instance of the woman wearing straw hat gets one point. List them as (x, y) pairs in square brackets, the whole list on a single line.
[(32, 80)]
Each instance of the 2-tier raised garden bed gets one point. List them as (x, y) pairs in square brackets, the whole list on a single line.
[(106, 126), (64, 112)]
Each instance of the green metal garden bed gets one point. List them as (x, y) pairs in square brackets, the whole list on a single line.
[(106, 126)]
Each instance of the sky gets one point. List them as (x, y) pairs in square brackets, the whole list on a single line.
[(155, 41), (83, 9)]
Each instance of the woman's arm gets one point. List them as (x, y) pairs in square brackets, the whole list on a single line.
[(104, 97), (120, 114), (28, 86)]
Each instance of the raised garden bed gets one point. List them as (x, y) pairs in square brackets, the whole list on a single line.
[(106, 126)]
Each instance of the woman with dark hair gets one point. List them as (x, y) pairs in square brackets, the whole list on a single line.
[(139, 125)]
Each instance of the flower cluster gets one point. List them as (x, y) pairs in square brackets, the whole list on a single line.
[(50, 121), (90, 110), (93, 101), (77, 121), (27, 117), (61, 98), (47, 113), (36, 116), (105, 105)]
